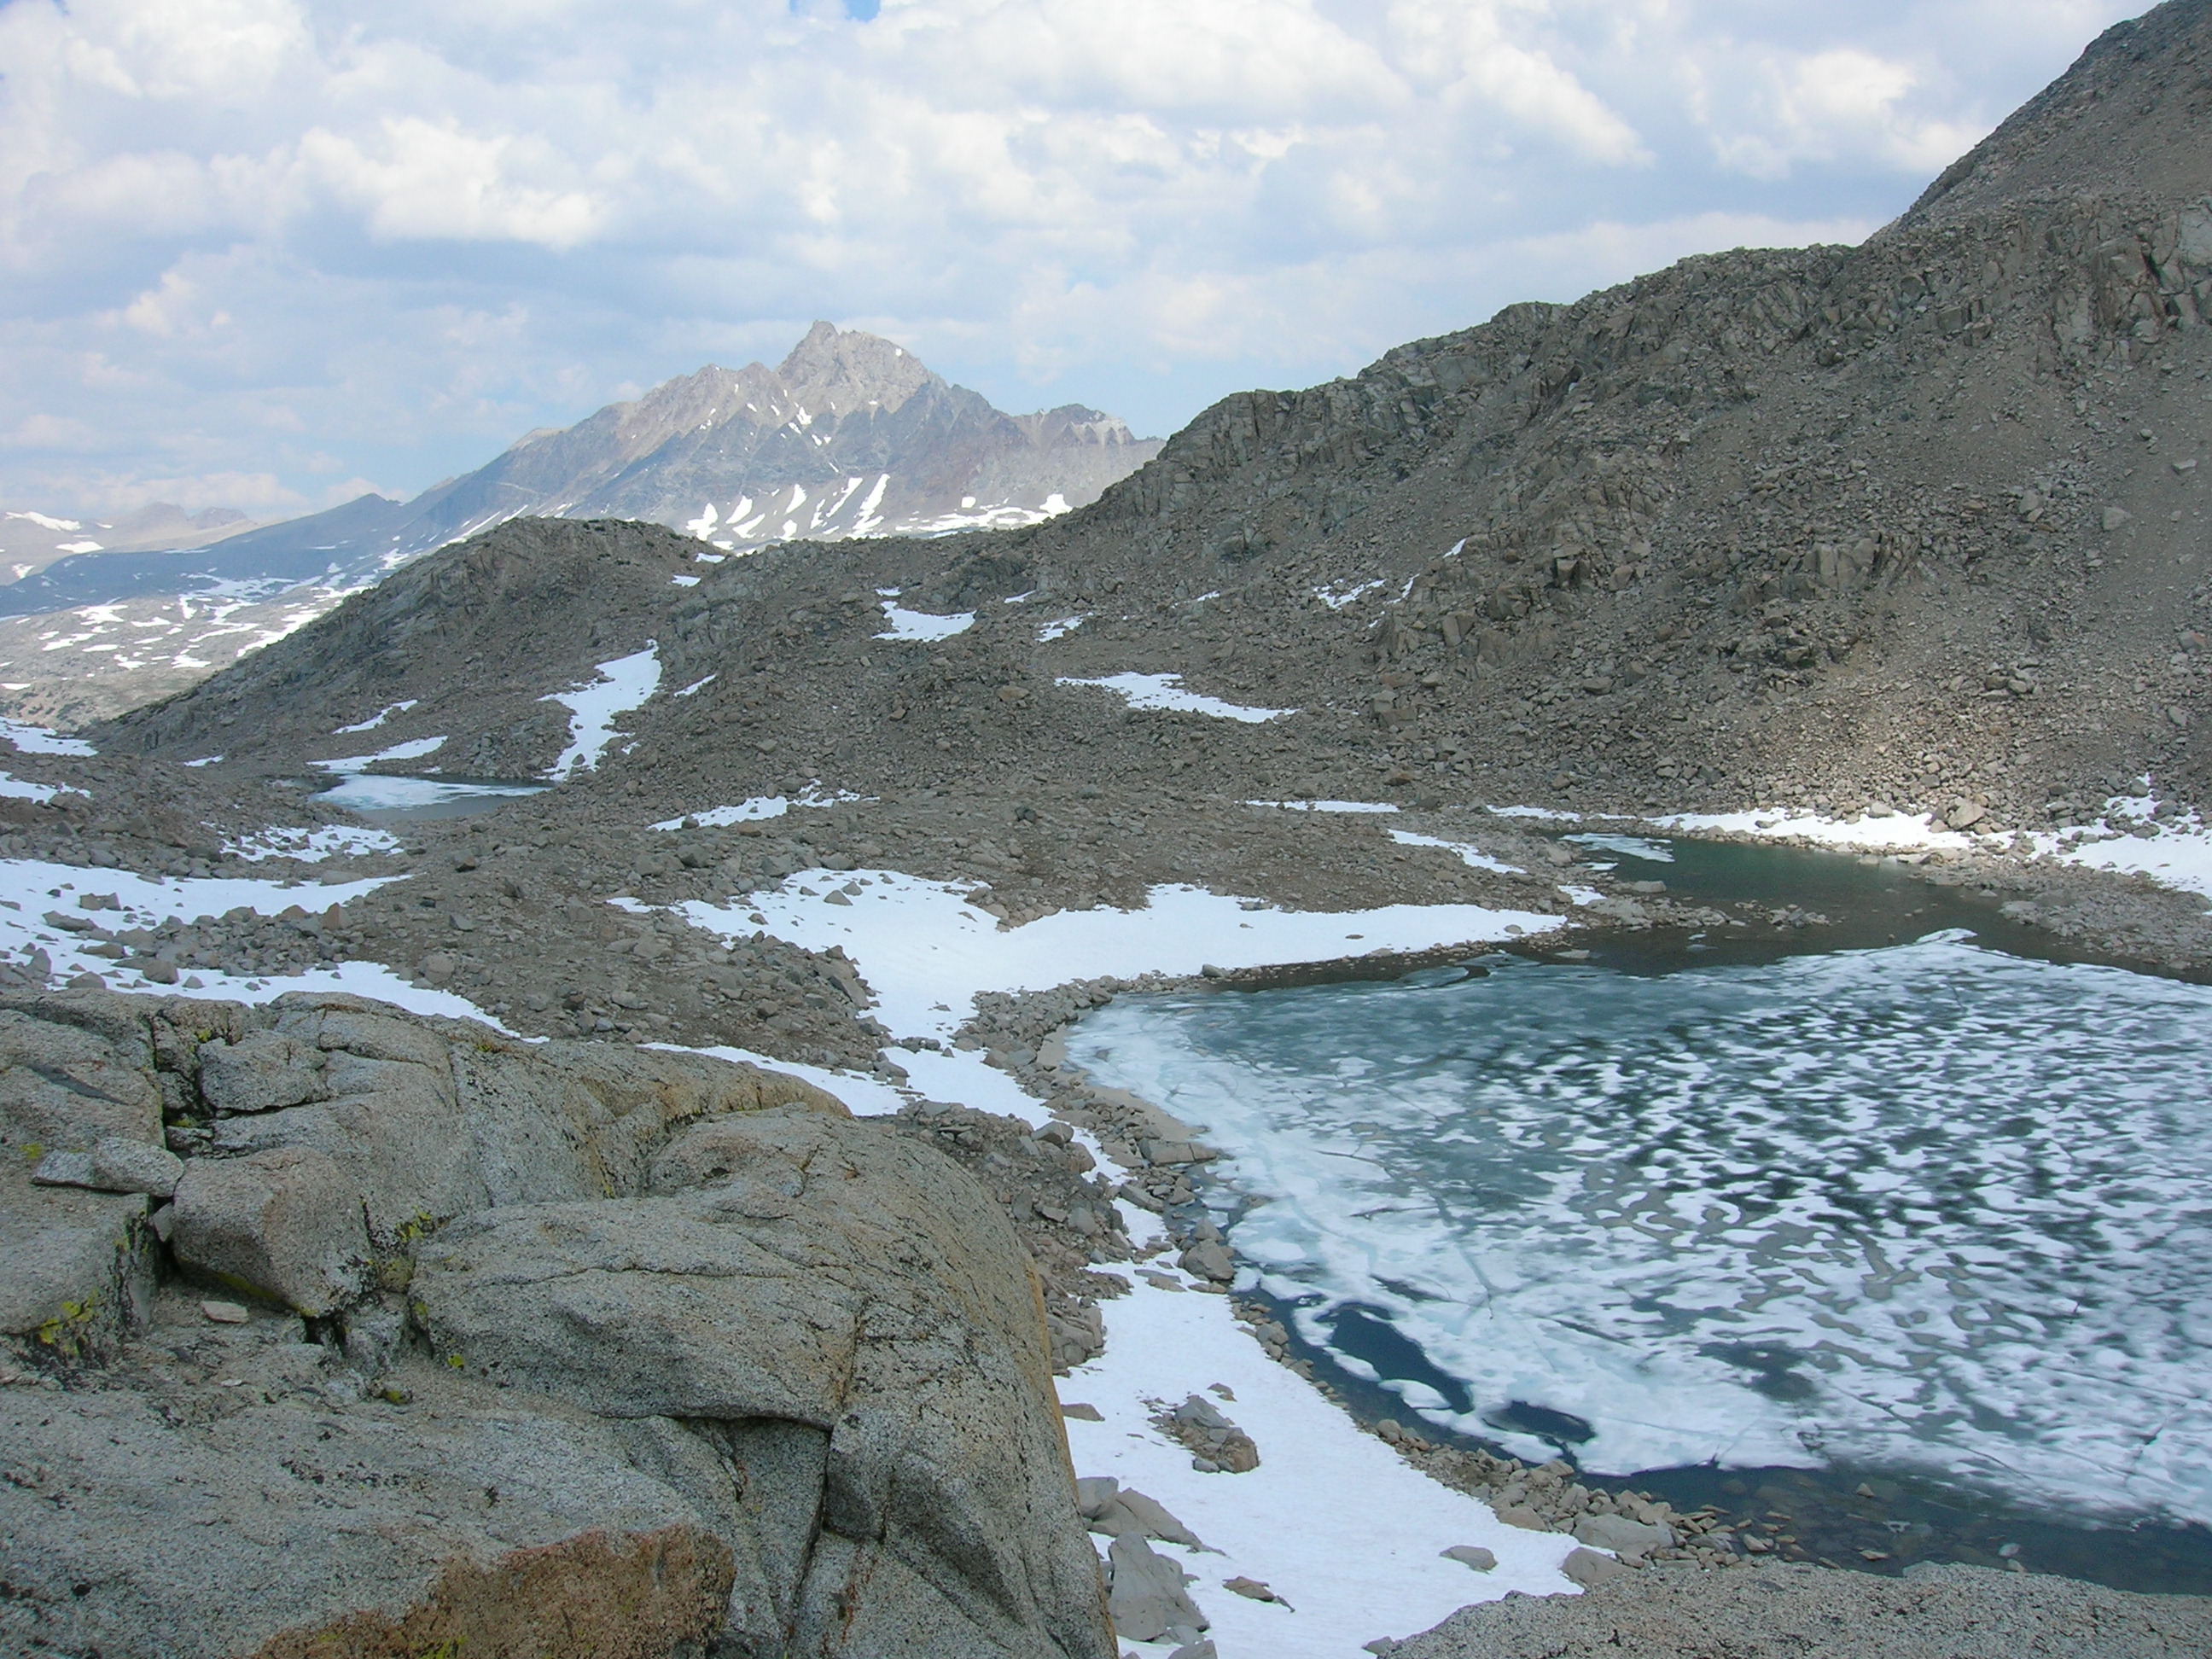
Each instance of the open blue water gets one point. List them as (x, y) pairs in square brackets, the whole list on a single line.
[(1924, 1207)]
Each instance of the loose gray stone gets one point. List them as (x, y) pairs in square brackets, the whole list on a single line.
[(791, 1267), (1674, 1610), (260, 1072), (1093, 1493), (64, 1169), (1211, 1262), (1471, 1555), (1631, 1540), (1147, 1599)]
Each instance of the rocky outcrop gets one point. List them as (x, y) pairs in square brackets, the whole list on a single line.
[(546, 1349)]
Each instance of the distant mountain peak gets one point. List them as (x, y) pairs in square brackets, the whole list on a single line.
[(845, 371)]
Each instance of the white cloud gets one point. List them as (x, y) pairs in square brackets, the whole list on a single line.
[(222, 49), (428, 181), (1820, 105), (242, 238)]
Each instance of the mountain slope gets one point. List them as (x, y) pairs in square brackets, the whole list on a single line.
[(1915, 524)]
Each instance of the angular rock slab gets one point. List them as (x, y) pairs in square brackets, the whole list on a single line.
[(465, 1526), (76, 1269), (283, 1224), (859, 1288), (435, 1118), (77, 1266)]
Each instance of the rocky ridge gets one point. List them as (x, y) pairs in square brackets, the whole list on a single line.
[(1853, 530)]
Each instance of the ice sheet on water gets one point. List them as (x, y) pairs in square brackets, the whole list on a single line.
[(378, 792), (1927, 1206), (40, 740), (1633, 846)]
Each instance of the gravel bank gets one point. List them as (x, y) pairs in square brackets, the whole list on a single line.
[(1789, 1612)]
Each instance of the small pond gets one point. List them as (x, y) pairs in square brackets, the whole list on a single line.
[(1886, 1231), (389, 798)]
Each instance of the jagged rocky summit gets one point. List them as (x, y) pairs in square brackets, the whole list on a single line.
[(850, 435)]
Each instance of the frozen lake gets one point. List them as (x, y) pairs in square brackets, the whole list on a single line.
[(1923, 1208)]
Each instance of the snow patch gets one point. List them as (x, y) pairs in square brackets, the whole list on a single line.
[(1473, 857), (378, 718), (1165, 692), (904, 625), (624, 684), (1326, 806), (30, 887), (16, 788), (1345, 593), (759, 807), (2174, 853), (926, 951), (413, 748), (1899, 832), (1373, 1567), (310, 846)]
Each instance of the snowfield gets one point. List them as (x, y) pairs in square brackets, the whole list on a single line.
[(1166, 691)]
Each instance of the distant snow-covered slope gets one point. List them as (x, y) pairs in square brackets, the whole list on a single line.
[(30, 540)]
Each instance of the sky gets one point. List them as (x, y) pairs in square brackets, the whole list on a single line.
[(269, 254)]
